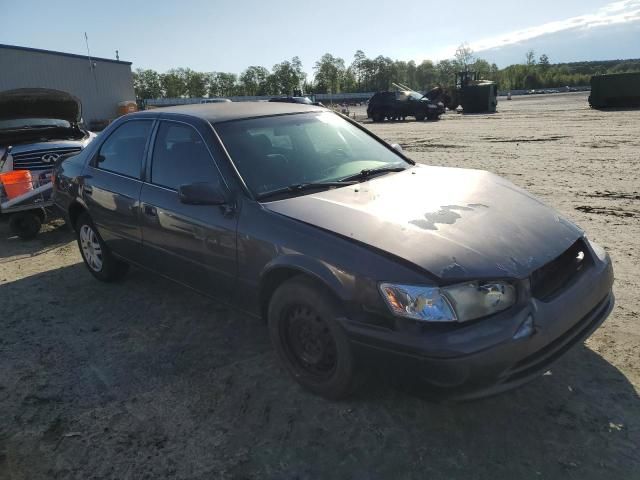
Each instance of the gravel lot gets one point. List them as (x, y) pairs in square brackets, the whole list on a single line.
[(144, 379)]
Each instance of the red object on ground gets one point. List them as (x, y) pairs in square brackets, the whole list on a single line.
[(16, 183)]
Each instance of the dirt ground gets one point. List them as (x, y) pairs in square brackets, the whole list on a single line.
[(144, 379)]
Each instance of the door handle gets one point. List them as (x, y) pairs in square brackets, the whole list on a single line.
[(150, 211)]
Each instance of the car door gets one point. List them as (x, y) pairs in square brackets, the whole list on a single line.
[(112, 183), (193, 244)]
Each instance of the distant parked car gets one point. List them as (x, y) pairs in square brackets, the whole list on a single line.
[(401, 104), (301, 100), (215, 100), (352, 252)]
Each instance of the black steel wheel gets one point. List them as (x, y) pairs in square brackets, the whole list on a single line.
[(309, 340)]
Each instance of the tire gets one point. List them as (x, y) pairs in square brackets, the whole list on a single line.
[(420, 117), (96, 255), (25, 225), (309, 340), (378, 117)]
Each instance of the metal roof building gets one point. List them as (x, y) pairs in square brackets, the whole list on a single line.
[(99, 83)]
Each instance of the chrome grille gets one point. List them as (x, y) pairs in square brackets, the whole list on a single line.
[(40, 159)]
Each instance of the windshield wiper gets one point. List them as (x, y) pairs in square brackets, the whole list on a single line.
[(370, 172), (300, 187)]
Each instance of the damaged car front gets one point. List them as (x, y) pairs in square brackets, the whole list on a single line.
[(499, 284), (37, 127)]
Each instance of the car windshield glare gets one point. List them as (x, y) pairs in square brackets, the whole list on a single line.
[(274, 152)]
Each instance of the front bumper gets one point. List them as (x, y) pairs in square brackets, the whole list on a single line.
[(484, 358)]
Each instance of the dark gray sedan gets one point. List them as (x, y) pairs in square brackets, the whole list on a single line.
[(354, 254)]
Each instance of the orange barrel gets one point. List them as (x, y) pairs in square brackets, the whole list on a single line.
[(16, 183), (128, 106)]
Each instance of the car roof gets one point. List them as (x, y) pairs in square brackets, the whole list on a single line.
[(223, 112)]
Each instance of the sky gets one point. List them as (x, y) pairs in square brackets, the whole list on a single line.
[(223, 35)]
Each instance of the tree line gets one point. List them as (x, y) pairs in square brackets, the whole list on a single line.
[(364, 74)]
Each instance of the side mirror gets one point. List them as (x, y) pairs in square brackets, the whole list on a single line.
[(202, 193), (396, 146)]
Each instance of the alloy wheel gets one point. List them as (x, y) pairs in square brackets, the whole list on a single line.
[(91, 248)]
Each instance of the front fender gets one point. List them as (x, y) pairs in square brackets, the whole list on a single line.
[(341, 283)]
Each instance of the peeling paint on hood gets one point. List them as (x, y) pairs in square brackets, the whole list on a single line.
[(455, 223)]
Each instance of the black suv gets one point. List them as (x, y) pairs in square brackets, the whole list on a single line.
[(350, 251), (401, 104)]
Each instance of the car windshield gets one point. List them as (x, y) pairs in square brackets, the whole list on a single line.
[(276, 152), (33, 123)]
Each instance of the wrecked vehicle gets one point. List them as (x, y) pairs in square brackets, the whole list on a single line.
[(352, 252), (403, 103), (37, 128)]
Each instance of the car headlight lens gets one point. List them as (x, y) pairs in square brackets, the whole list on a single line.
[(456, 303)]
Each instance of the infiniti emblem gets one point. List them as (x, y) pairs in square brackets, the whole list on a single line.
[(50, 157)]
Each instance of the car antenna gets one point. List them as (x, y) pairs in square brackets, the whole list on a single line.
[(92, 64)]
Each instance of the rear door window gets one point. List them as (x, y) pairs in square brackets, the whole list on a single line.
[(180, 157), (123, 151)]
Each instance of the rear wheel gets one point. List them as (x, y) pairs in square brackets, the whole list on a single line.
[(25, 225), (97, 257), (378, 117), (309, 340), (420, 117)]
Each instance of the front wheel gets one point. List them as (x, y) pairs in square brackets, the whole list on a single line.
[(97, 257), (309, 340), (25, 225)]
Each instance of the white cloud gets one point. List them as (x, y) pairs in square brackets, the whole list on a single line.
[(625, 11)]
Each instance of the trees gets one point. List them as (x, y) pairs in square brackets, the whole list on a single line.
[(195, 83), (329, 72), (482, 67), (287, 76), (543, 62), (253, 81), (464, 56), (367, 75), (147, 84), (531, 57), (358, 68), (446, 71), (173, 83), (426, 75)]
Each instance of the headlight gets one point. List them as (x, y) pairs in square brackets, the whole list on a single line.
[(457, 303)]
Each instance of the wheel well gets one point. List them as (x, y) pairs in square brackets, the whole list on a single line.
[(74, 212), (277, 277), (270, 282)]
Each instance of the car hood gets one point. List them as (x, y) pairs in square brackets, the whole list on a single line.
[(39, 103), (455, 223)]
